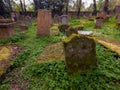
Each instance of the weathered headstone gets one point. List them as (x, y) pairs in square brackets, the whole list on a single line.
[(103, 15), (27, 20), (117, 9), (56, 19), (43, 22), (118, 18), (64, 19), (6, 28), (80, 53), (98, 22), (22, 27), (71, 30)]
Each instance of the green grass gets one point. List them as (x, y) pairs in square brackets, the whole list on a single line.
[(53, 75)]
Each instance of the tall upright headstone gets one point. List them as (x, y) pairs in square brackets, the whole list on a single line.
[(80, 53), (43, 22)]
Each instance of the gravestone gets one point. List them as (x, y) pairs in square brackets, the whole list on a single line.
[(118, 18), (56, 19), (6, 28), (80, 53), (98, 22), (71, 30), (27, 20), (103, 15), (64, 19), (22, 27), (43, 22), (117, 9)]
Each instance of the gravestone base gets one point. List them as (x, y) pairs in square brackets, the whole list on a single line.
[(43, 23), (6, 28), (80, 53)]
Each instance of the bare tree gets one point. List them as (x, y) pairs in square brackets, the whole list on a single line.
[(79, 7), (24, 7), (94, 8), (21, 4), (106, 6)]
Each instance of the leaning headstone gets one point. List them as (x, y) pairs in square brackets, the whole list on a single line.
[(98, 22), (43, 22), (6, 28), (80, 53)]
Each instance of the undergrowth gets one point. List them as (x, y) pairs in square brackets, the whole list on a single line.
[(53, 75)]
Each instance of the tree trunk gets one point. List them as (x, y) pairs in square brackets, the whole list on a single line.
[(105, 7), (21, 4), (94, 8), (79, 7), (24, 7), (67, 3)]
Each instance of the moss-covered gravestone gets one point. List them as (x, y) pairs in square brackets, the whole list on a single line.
[(71, 30), (80, 53)]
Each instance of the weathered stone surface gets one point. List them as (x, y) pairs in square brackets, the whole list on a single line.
[(22, 27), (43, 23), (98, 23), (118, 18), (63, 27), (28, 20), (87, 33), (6, 28), (103, 15), (80, 53), (64, 19), (71, 30), (117, 9)]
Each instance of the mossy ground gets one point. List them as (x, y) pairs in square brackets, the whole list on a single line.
[(28, 74)]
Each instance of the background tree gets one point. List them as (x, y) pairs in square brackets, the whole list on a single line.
[(106, 6), (4, 8), (22, 8), (79, 7), (94, 7)]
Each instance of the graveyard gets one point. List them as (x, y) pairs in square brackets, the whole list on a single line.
[(60, 53)]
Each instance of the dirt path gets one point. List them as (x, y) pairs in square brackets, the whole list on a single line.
[(110, 44)]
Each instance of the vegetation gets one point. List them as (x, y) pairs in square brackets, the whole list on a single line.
[(31, 75)]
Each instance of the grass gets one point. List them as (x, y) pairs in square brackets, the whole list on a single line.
[(31, 75)]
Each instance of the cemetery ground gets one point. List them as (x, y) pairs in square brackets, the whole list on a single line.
[(40, 65)]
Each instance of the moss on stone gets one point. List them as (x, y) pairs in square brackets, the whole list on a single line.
[(63, 27), (5, 52)]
